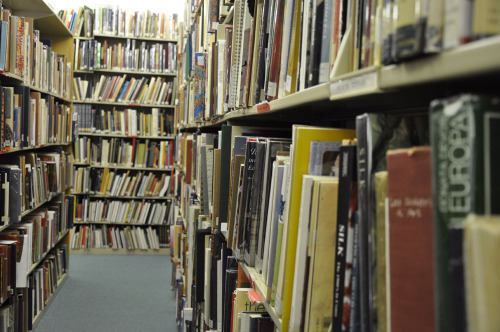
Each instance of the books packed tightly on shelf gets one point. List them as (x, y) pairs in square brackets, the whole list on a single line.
[(156, 123), (117, 22), (144, 212), (31, 60), (115, 237), (269, 49), (145, 57), (327, 227), (156, 91), (111, 152), (33, 119), (126, 184)]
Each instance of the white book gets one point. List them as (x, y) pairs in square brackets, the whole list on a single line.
[(304, 43), (164, 189), (155, 119), (457, 22), (221, 49), (301, 253)]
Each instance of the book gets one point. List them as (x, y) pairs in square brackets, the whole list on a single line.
[(480, 242), (410, 239), (471, 113)]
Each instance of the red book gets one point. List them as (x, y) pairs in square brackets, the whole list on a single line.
[(189, 160), (171, 155), (150, 191), (410, 236), (232, 310), (84, 230), (110, 236)]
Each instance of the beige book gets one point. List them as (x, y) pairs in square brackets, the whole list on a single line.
[(482, 266), (319, 305)]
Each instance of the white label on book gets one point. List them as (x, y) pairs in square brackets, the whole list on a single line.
[(223, 227), (271, 89), (214, 25), (201, 60), (288, 83), (354, 84)]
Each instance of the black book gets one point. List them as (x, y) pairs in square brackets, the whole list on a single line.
[(199, 264), (15, 199), (25, 102), (347, 202), (231, 283), (254, 202), (316, 33), (250, 155)]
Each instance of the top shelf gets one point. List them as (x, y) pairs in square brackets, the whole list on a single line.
[(375, 87), (46, 20), (137, 38)]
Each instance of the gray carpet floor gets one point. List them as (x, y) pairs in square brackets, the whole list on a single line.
[(114, 293)]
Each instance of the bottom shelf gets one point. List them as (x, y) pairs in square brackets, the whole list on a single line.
[(39, 317), (108, 251)]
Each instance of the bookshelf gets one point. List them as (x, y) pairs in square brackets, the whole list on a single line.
[(91, 65), (368, 86), (36, 136)]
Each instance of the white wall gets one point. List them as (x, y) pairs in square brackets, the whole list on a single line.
[(165, 6)]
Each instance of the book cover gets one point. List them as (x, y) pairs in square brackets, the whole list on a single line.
[(463, 133), (410, 239)]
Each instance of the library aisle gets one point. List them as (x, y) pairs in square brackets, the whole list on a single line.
[(113, 293)]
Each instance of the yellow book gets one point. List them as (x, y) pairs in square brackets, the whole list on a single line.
[(301, 141), (482, 272), (293, 58), (319, 300), (485, 18), (104, 180), (110, 181), (242, 303)]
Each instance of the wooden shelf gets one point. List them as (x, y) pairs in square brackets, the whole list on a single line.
[(48, 93), (133, 72), (20, 81), (166, 198), (25, 213), (157, 40), (109, 251), (46, 20), (75, 71), (122, 104), (33, 267), (40, 315), (115, 223), (128, 136)]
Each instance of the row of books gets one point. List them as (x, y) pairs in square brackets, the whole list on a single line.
[(123, 152), (152, 58), (146, 24), (127, 184), (76, 20), (32, 119), (117, 211), (302, 215), (23, 53), (154, 91), (131, 122), (42, 284), (275, 48), (36, 235), (30, 180), (102, 236)]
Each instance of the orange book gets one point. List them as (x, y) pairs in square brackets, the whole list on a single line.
[(152, 188)]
